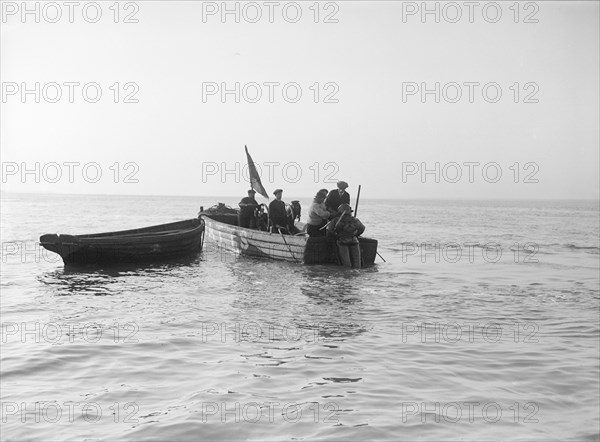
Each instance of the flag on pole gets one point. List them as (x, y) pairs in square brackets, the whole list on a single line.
[(255, 177)]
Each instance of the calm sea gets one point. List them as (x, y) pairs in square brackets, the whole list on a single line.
[(483, 324)]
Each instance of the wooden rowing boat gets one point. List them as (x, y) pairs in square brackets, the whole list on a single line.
[(223, 229), (149, 244)]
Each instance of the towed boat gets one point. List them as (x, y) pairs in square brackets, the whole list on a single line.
[(149, 244), (222, 227)]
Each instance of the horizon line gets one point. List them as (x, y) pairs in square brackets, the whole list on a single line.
[(5, 192)]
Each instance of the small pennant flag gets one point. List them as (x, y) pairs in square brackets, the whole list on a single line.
[(255, 177)]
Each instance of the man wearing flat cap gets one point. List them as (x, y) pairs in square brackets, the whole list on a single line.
[(337, 196), (277, 213), (247, 206)]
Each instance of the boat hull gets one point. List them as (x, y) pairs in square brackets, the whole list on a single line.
[(299, 249), (150, 244)]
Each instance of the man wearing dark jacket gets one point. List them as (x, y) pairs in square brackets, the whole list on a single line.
[(337, 196), (247, 207), (346, 229), (277, 212)]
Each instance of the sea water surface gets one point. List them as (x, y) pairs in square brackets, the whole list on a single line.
[(482, 324)]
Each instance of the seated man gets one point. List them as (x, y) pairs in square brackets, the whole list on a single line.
[(247, 207), (317, 215), (277, 213)]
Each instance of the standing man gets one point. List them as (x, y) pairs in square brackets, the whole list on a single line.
[(277, 212), (247, 206), (346, 229), (337, 196)]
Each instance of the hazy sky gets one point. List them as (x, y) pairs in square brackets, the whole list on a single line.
[(369, 126)]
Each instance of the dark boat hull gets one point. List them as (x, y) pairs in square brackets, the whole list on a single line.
[(150, 244), (320, 250)]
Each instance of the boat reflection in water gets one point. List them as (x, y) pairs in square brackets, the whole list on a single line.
[(111, 280), (324, 303)]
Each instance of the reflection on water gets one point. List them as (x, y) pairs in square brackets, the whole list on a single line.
[(336, 300), (101, 281), (65, 283)]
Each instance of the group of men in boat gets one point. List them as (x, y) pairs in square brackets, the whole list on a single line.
[(329, 215)]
